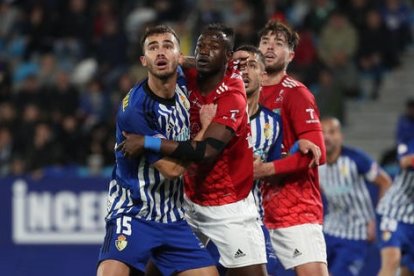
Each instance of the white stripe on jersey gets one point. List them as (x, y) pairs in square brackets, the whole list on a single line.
[(349, 203), (265, 131), (398, 202)]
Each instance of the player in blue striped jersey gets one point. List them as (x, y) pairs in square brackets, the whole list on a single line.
[(145, 216), (349, 223), (397, 222)]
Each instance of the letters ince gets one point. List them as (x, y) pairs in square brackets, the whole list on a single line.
[(57, 217)]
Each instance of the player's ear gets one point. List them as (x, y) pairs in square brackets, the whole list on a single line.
[(291, 55), (143, 61), (181, 58)]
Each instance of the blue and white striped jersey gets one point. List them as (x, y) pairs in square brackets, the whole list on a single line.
[(344, 184), (266, 127), (398, 202), (137, 187)]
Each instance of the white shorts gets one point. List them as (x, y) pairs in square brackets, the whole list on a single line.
[(234, 228), (299, 244)]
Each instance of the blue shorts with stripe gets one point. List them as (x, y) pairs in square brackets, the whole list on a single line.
[(172, 247), (394, 233), (345, 256)]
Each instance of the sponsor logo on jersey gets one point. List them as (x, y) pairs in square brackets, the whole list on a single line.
[(125, 101)]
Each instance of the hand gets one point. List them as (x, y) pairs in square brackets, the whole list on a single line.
[(306, 146), (371, 231), (240, 59), (132, 146), (261, 170), (207, 113)]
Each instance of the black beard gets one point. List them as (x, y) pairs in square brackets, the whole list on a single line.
[(273, 69)]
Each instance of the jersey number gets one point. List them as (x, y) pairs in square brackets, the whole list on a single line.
[(123, 225)]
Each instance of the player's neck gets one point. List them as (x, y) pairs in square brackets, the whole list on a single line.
[(273, 78), (163, 88), (333, 156), (253, 104), (208, 82)]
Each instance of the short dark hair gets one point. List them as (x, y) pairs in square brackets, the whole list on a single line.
[(221, 28), (254, 50), (158, 29), (274, 27)]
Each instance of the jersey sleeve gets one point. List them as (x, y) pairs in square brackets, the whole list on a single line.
[(231, 106), (301, 108), (132, 118), (366, 165)]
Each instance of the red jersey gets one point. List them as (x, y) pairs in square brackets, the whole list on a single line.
[(296, 198), (230, 178)]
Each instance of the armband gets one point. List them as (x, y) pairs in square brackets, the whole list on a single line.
[(152, 143), (294, 148)]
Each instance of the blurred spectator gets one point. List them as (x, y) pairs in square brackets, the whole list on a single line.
[(373, 49), (6, 148), (38, 30), (396, 15), (9, 16), (64, 97), (319, 14), (71, 140), (94, 105), (356, 11), (337, 48), (405, 125), (329, 96), (44, 150), (111, 52)]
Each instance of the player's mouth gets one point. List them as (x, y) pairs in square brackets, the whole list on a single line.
[(202, 61), (270, 56), (161, 63), (246, 82)]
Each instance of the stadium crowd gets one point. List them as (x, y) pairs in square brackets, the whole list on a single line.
[(65, 65)]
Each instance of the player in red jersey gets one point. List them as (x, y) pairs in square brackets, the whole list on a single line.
[(292, 203), (220, 206)]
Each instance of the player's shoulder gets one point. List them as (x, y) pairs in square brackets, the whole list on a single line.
[(267, 112), (134, 97), (354, 153), (294, 87)]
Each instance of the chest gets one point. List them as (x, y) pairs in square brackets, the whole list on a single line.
[(174, 120)]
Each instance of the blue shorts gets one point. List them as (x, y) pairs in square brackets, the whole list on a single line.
[(345, 257), (272, 261), (398, 234), (173, 247)]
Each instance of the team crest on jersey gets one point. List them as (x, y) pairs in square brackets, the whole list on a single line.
[(185, 102), (344, 170), (386, 235), (267, 131), (121, 243)]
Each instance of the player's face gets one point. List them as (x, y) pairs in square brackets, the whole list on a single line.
[(332, 135), (161, 55), (253, 74), (276, 50), (211, 52)]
